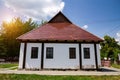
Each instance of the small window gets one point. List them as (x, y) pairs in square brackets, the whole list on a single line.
[(72, 53), (86, 53), (34, 52), (49, 52)]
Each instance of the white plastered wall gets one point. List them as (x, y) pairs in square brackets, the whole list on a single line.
[(30, 62), (98, 55), (88, 63), (21, 55), (61, 56)]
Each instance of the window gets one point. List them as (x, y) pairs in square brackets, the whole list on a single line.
[(49, 52), (34, 52), (86, 53), (72, 53)]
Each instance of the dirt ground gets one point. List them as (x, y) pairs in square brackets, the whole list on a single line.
[(104, 71)]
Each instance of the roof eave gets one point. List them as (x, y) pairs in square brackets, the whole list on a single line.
[(59, 41)]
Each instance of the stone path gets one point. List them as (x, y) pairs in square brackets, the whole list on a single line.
[(105, 71)]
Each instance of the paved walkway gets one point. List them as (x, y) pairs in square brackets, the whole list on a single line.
[(105, 71)]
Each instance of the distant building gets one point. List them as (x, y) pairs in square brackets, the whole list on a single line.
[(119, 57), (59, 44)]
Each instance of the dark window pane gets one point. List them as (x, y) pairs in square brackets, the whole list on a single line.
[(49, 52), (34, 52), (86, 53), (72, 53)]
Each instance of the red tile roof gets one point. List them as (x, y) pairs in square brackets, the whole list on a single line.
[(59, 30)]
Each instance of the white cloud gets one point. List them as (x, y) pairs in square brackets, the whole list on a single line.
[(117, 37), (85, 27), (118, 34), (36, 9)]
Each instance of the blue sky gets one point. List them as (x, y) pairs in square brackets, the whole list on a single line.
[(100, 17)]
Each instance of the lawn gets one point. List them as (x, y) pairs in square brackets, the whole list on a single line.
[(9, 65), (116, 66), (43, 77)]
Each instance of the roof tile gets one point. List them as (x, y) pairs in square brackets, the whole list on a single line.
[(60, 32), (59, 28)]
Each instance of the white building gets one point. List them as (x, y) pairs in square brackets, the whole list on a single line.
[(59, 44)]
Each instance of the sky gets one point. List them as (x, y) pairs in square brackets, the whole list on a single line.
[(100, 17)]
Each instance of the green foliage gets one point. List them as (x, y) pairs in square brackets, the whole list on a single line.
[(10, 31), (2, 48), (43, 22), (109, 48), (43, 77)]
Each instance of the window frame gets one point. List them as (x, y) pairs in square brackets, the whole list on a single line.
[(34, 54), (49, 52), (72, 53), (86, 53)]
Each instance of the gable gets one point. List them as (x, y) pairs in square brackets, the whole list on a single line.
[(59, 18)]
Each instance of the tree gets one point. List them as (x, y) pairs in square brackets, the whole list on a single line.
[(43, 22), (2, 48), (109, 48), (10, 31)]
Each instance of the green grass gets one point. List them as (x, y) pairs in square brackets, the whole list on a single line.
[(8, 65), (40, 77), (116, 66)]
